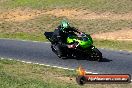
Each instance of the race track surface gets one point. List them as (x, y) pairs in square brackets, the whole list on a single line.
[(40, 52)]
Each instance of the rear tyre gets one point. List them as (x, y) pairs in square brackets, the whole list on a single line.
[(96, 55)]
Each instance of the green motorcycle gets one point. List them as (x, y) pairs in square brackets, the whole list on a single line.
[(83, 46)]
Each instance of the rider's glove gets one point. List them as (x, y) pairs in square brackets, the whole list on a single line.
[(80, 33), (72, 46)]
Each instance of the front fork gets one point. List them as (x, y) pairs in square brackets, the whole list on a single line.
[(91, 50)]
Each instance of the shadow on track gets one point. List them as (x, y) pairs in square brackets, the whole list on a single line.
[(103, 59)]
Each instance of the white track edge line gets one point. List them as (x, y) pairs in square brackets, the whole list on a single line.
[(49, 66), (28, 62), (23, 40)]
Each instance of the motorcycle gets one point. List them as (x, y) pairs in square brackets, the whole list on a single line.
[(83, 46)]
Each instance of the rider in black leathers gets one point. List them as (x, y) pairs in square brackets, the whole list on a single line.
[(59, 37)]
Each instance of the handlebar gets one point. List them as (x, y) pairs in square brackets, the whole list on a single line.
[(76, 44)]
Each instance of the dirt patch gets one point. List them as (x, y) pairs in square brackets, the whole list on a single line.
[(27, 14), (3, 0), (85, 14), (124, 34), (19, 15)]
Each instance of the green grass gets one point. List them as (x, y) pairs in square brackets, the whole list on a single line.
[(115, 45), (23, 36), (117, 6), (14, 74)]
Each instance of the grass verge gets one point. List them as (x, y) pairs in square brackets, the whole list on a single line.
[(44, 23), (14, 74), (117, 6), (115, 45), (23, 36)]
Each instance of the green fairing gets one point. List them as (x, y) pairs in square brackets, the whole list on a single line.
[(84, 42)]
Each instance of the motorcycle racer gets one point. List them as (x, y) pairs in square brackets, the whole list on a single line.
[(59, 37), (68, 42)]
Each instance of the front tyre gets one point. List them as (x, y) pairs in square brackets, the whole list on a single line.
[(96, 55), (56, 49)]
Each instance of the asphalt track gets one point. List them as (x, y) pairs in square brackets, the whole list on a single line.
[(39, 52)]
